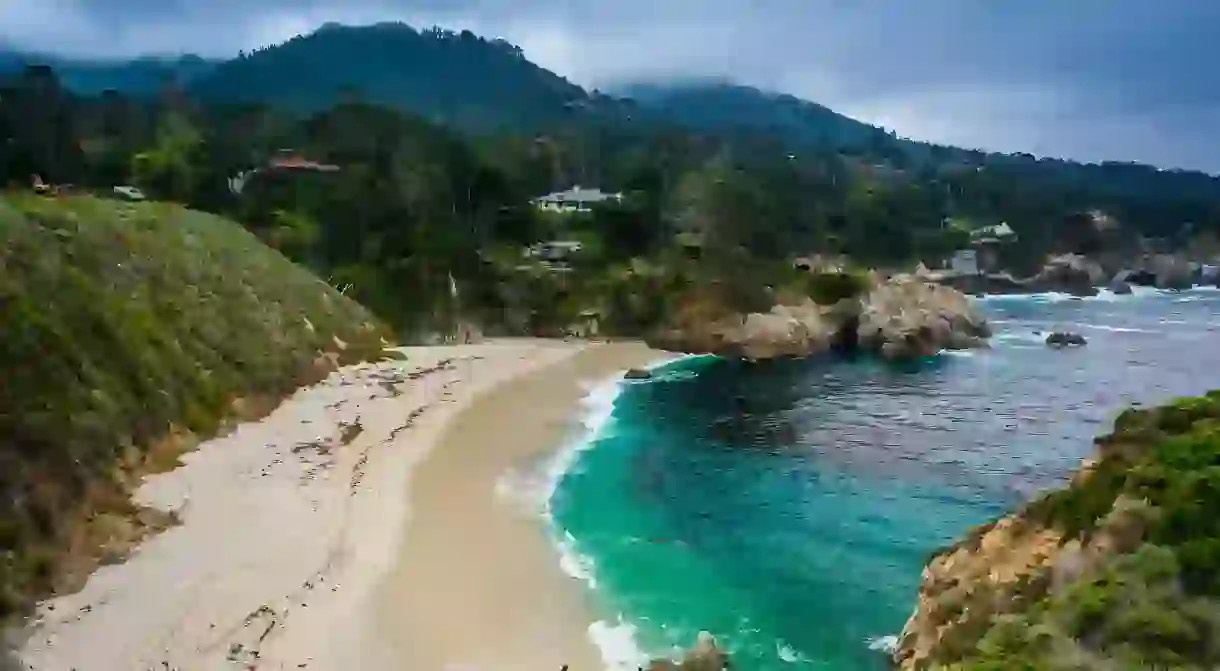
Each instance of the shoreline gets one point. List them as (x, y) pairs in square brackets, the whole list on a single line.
[(479, 581), (288, 525)]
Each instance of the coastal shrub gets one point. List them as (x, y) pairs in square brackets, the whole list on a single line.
[(127, 328), (830, 288), (1150, 595)]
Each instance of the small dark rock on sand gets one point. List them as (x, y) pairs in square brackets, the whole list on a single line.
[(638, 374)]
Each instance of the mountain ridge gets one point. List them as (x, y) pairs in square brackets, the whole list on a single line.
[(479, 84), (138, 76)]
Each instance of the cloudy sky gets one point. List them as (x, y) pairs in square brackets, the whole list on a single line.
[(1087, 79)]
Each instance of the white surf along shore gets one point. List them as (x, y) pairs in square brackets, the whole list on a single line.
[(614, 634), (289, 527)]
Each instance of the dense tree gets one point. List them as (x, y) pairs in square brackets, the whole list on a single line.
[(415, 203)]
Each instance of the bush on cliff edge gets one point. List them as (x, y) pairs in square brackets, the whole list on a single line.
[(1148, 513), (127, 330)]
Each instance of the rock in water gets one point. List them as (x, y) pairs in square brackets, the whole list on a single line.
[(1069, 273), (1172, 272), (784, 331), (1119, 286), (1065, 339), (908, 318), (637, 374), (705, 656)]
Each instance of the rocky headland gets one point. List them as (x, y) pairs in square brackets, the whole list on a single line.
[(901, 317), (1117, 570)]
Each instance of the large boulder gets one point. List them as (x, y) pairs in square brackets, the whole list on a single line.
[(1120, 285), (1065, 339), (1069, 273), (1171, 271), (909, 318), (785, 331)]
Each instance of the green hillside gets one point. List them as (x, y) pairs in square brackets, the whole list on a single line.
[(719, 105), (459, 78), (129, 330)]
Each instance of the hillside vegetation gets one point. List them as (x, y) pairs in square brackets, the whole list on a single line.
[(460, 78), (462, 131), (1119, 570), (129, 330)]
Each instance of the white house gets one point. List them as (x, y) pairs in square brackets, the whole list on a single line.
[(1000, 232), (554, 251), (576, 199)]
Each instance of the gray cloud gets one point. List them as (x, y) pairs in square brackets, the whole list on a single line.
[(1089, 79)]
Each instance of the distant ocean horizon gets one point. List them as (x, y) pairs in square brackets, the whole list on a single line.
[(788, 507)]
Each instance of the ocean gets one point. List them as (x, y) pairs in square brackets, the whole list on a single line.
[(788, 507)]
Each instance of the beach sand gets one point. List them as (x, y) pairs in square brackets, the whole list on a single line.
[(477, 584), (323, 536)]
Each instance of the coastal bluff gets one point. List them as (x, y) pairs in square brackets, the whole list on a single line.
[(131, 332), (902, 317), (1118, 569)]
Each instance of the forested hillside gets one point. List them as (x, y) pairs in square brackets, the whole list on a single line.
[(458, 78), (439, 141)]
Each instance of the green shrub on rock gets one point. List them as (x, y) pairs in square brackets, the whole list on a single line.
[(1147, 592)]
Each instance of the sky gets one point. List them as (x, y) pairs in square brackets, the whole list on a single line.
[(1085, 79)]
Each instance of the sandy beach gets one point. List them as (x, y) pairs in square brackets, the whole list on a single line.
[(356, 527), (478, 584)]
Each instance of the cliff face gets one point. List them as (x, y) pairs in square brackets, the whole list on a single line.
[(1119, 569)]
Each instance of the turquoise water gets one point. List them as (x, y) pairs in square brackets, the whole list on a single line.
[(788, 507)]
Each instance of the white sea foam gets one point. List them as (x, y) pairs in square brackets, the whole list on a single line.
[(1020, 337), (617, 644), (1115, 329), (532, 489), (1043, 297), (788, 654), (958, 353), (886, 644), (1103, 295)]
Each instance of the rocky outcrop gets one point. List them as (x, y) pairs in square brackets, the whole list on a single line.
[(705, 656), (637, 374), (1119, 285), (959, 586), (1171, 271), (1110, 569), (1069, 273), (1065, 339), (983, 284), (910, 318), (785, 331), (903, 317)]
